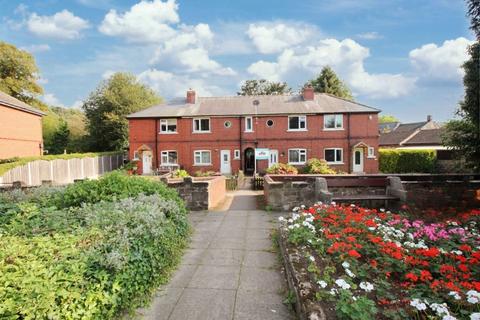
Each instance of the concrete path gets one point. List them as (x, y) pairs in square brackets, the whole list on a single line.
[(230, 271)]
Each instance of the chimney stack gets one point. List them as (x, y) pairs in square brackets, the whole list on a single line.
[(429, 118), (308, 93), (191, 96)]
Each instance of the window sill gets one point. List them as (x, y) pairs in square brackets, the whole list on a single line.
[(371, 157), (335, 163), (168, 133), (297, 163), (202, 164), (201, 131), (249, 131), (297, 130), (333, 129)]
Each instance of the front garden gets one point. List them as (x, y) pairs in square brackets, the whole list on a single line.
[(356, 263), (91, 250)]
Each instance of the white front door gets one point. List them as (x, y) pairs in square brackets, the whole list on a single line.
[(358, 160), (147, 162), (273, 158), (225, 167)]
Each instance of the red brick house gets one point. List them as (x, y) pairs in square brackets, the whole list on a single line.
[(222, 133)]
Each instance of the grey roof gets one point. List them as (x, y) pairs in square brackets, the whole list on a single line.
[(9, 101), (407, 132), (427, 137), (243, 105), (387, 126)]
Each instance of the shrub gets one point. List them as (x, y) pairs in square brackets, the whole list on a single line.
[(180, 174), (282, 168), (88, 262), (407, 161), (318, 166), (200, 173)]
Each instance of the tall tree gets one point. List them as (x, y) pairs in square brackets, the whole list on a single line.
[(328, 82), (18, 73), (107, 107), (387, 118), (473, 11), (60, 139), (263, 87)]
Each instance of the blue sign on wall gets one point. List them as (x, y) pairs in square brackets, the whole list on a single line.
[(262, 154)]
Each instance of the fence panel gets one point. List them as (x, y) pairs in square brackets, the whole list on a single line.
[(257, 183)]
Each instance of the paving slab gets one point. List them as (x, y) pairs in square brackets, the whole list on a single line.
[(262, 280), (257, 305), (215, 277)]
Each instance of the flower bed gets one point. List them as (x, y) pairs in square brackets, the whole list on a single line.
[(369, 264)]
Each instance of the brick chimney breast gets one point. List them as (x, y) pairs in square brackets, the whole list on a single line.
[(308, 93), (191, 96)]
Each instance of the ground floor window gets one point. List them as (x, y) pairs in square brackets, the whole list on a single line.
[(135, 155), (371, 152), (169, 157), (202, 157), (236, 154), (334, 155), (297, 156)]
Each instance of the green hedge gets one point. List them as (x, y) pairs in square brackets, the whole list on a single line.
[(8, 164), (407, 161), (91, 260)]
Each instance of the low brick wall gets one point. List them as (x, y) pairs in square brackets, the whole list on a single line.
[(283, 192), (199, 193)]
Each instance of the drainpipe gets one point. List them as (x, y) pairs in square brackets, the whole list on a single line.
[(156, 142), (240, 142), (350, 153)]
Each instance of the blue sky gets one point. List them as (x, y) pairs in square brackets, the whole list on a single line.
[(403, 57)]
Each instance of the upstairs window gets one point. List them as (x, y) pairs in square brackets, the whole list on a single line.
[(201, 125), (297, 156), (168, 126), (169, 157), (297, 123), (333, 121), (248, 124), (334, 155)]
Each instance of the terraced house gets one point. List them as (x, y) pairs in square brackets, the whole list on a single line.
[(222, 133)]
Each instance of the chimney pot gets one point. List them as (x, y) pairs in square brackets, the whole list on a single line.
[(191, 96), (429, 118), (308, 93)]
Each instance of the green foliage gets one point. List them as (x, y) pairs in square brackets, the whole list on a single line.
[(74, 118), (360, 309), (18, 73), (387, 118), (9, 164), (282, 168), (263, 87), (473, 11), (200, 173), (87, 260), (318, 166), (107, 107), (407, 161), (60, 139), (463, 135), (180, 174), (328, 82)]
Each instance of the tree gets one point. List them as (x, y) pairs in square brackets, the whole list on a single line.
[(60, 139), (463, 135), (387, 118), (107, 107), (263, 87), (18, 73), (473, 11), (328, 82)]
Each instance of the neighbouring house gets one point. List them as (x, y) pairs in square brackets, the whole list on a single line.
[(222, 133), (20, 128)]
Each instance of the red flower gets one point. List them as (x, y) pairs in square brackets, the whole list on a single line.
[(373, 263), (463, 268), (412, 277), (354, 254), (425, 275), (465, 247)]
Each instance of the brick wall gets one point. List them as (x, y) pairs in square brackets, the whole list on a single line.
[(20, 133), (357, 128)]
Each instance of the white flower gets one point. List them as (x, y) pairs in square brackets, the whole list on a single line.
[(311, 258), (455, 295), (333, 291), (473, 300), (322, 284), (457, 252), (346, 265), (367, 286), (350, 273), (352, 205), (449, 317), (342, 284), (302, 206), (475, 316), (440, 309), (281, 219), (473, 296), (418, 304)]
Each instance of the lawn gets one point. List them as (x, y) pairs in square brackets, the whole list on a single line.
[(369, 264), (91, 250)]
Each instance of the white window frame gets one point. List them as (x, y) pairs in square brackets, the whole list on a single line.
[(166, 153), (246, 124), (300, 152), (195, 163), (338, 125), (200, 125), (370, 152), (335, 155), (166, 122), (135, 155), (236, 154), (300, 118)]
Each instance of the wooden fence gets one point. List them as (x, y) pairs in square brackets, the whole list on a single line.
[(59, 172), (257, 183)]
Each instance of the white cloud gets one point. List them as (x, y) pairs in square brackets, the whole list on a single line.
[(146, 21), (52, 100), (35, 48), (273, 37), (346, 57), (369, 35), (172, 85), (77, 104), (62, 25), (442, 62)]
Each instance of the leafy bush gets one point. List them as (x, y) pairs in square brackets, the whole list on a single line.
[(407, 161), (180, 174), (90, 250), (318, 166), (201, 173), (282, 168)]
